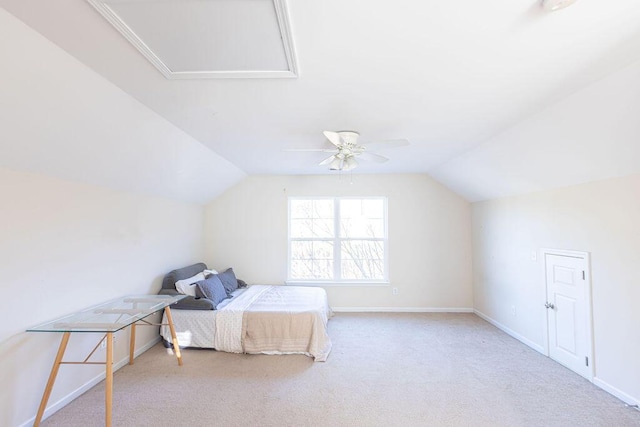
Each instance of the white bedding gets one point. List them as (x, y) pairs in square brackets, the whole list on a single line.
[(195, 328), (222, 329)]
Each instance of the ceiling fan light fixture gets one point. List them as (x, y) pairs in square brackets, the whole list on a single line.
[(349, 164), (336, 164), (553, 5), (346, 149)]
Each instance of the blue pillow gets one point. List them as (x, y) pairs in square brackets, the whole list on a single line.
[(211, 289), (229, 281)]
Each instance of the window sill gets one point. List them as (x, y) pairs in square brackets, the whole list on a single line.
[(342, 284)]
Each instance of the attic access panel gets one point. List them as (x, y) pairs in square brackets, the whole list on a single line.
[(194, 39)]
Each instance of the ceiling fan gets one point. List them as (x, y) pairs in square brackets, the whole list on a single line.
[(343, 155)]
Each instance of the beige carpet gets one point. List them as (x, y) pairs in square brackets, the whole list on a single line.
[(384, 370)]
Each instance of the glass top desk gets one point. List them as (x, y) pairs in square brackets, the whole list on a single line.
[(106, 318)]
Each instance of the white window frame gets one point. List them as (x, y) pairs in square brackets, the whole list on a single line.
[(336, 239)]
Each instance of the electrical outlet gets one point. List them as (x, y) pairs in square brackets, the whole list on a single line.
[(394, 291), (534, 256), (513, 310)]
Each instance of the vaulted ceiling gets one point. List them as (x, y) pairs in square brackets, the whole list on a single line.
[(465, 82)]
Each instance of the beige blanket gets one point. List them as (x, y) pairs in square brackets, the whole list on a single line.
[(280, 320)]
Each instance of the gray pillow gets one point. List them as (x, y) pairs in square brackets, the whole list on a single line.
[(229, 281), (211, 289)]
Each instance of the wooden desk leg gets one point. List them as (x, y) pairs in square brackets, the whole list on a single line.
[(52, 378), (109, 380), (176, 347), (132, 343)]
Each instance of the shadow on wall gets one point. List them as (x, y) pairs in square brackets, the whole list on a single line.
[(23, 371)]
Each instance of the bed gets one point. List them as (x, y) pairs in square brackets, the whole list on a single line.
[(256, 319)]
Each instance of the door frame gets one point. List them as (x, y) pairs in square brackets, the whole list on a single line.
[(586, 256)]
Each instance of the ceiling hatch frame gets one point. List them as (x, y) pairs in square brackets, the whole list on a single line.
[(282, 15)]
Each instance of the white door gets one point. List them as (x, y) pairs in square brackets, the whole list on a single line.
[(568, 312)]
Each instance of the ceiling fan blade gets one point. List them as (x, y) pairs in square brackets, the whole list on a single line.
[(327, 160), (334, 137), (374, 157), (390, 143)]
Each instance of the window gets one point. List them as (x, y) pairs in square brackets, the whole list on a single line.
[(338, 239)]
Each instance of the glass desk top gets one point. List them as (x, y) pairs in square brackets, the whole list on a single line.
[(110, 316)]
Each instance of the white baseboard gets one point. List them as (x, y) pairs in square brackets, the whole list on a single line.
[(55, 407), (536, 347), (630, 400), (401, 310)]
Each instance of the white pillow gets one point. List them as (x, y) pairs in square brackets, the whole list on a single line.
[(211, 271), (187, 286)]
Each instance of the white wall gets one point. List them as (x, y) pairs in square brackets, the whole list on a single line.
[(60, 118), (600, 218), (66, 246), (589, 136), (429, 237)]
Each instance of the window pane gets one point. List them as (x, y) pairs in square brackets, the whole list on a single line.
[(312, 218), (301, 228), (301, 208), (306, 228), (376, 227), (302, 269), (309, 249), (362, 270), (362, 218), (362, 259), (350, 208), (362, 227), (323, 208), (301, 250), (323, 228), (309, 208), (323, 269), (369, 208), (312, 260), (323, 250), (312, 269), (373, 208), (362, 249)]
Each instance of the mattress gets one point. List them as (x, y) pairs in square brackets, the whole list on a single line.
[(261, 319), (195, 328)]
